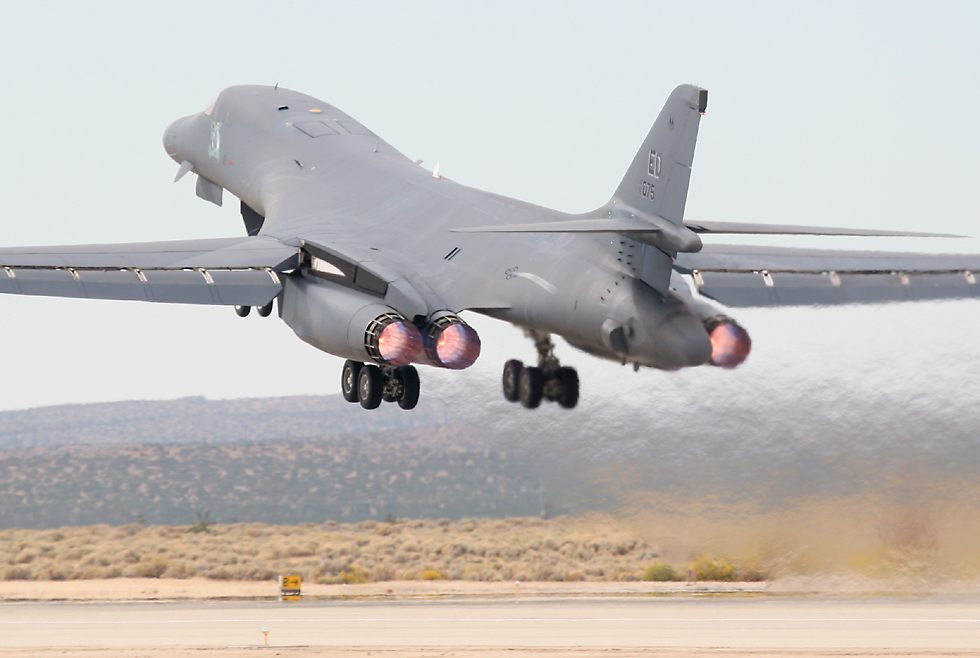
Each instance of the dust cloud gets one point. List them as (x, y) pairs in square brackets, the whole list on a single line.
[(849, 443)]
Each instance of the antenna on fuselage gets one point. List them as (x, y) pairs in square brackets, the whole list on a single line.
[(276, 88)]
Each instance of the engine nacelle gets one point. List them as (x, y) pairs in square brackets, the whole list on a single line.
[(730, 342), (449, 342), (348, 323)]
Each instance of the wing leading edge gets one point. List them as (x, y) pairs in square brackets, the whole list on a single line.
[(231, 271), (741, 276), (748, 228)]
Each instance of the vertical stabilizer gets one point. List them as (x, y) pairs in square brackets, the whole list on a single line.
[(656, 182)]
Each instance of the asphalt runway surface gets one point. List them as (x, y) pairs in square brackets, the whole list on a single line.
[(770, 625)]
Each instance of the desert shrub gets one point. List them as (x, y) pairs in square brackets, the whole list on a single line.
[(151, 568), (354, 575), (564, 548), (220, 573), (752, 575), (382, 573), (544, 573), (660, 572), (708, 568), (179, 569), (431, 574), (24, 557), (204, 523), (17, 573), (51, 574)]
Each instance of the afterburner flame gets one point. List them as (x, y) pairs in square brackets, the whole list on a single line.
[(730, 344), (457, 346), (399, 343)]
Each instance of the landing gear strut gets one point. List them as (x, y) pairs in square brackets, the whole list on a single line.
[(371, 385), (529, 385)]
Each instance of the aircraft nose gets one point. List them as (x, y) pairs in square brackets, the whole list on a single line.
[(170, 139)]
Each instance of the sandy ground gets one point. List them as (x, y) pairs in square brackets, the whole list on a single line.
[(163, 589), (470, 652), (149, 589)]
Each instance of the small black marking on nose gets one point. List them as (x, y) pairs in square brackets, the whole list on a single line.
[(452, 254)]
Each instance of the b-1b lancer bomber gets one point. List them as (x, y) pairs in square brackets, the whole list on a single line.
[(373, 258)]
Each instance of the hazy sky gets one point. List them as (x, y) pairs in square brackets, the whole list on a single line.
[(819, 113)]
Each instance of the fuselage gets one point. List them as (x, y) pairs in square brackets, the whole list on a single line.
[(315, 174)]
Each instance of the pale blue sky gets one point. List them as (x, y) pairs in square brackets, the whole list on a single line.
[(820, 113)]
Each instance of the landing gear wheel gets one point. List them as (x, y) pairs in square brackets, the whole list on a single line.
[(568, 378), (348, 380), (411, 387), (243, 311), (265, 311), (511, 380), (370, 386), (546, 381), (531, 387)]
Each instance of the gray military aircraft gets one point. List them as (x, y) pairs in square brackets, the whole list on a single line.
[(372, 258)]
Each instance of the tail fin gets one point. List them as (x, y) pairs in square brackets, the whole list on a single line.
[(656, 182)]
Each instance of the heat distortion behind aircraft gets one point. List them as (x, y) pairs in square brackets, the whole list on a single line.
[(372, 258)]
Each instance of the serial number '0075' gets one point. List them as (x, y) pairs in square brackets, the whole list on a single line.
[(647, 190)]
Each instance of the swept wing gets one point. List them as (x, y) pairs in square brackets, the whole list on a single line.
[(752, 228), (226, 271), (737, 275)]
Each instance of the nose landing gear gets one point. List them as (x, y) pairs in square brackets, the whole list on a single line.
[(371, 385), (549, 380)]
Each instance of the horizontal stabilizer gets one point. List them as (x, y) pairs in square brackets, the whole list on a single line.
[(652, 229), (603, 225), (749, 228)]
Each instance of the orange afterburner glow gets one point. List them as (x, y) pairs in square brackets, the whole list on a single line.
[(457, 346), (730, 344), (399, 343)]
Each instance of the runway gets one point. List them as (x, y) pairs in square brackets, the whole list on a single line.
[(660, 626)]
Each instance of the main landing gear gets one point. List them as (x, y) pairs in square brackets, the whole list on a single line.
[(371, 385), (548, 381)]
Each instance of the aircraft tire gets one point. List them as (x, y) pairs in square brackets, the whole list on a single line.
[(370, 385), (243, 311), (411, 387), (348, 380), (265, 311), (569, 387), (531, 387), (511, 380)]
